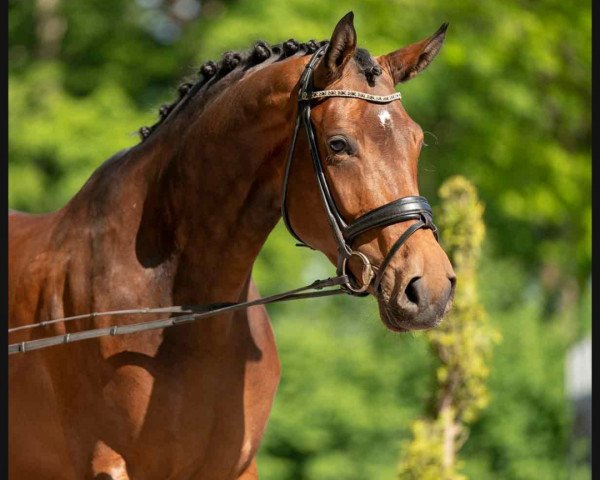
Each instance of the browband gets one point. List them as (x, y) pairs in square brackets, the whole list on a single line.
[(351, 94)]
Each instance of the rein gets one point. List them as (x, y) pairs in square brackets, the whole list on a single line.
[(194, 312), (404, 209)]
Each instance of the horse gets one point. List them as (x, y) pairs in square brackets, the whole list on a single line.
[(179, 218)]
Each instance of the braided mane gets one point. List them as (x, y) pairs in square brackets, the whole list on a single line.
[(213, 71)]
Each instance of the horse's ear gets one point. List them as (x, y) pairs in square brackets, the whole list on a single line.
[(405, 63), (341, 49)]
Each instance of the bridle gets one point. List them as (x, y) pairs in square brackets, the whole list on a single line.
[(404, 209), (401, 210)]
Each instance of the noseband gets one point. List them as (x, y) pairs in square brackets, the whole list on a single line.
[(402, 210)]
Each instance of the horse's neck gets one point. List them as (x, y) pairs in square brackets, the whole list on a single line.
[(205, 201)]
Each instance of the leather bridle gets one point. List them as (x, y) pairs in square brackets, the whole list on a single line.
[(402, 210)]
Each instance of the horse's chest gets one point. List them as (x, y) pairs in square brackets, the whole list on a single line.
[(201, 412)]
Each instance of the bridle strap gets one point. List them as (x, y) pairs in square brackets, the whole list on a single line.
[(403, 238), (401, 210), (288, 166), (304, 86), (350, 94), (335, 220)]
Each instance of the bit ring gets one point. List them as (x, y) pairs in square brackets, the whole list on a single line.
[(367, 274)]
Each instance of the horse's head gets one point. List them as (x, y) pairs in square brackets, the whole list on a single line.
[(369, 153)]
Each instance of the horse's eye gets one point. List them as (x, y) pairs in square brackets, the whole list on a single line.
[(338, 144)]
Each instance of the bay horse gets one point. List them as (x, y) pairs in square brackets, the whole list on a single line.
[(179, 219)]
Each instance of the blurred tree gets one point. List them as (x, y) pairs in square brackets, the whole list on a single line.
[(50, 28), (144, 46), (462, 345)]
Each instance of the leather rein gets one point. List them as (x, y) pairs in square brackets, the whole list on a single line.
[(404, 209)]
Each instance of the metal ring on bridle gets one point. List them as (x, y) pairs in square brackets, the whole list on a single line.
[(367, 274)]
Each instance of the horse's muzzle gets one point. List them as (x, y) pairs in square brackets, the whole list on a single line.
[(418, 305)]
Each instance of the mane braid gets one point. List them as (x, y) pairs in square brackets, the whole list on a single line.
[(211, 72)]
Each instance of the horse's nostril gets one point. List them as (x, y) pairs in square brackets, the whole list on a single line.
[(412, 291), (452, 286)]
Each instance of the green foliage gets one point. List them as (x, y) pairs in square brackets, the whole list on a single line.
[(462, 343), (108, 40), (506, 104), (343, 401), (424, 455), (523, 433), (55, 140)]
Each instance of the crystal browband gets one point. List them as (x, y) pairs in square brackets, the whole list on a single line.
[(351, 94)]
